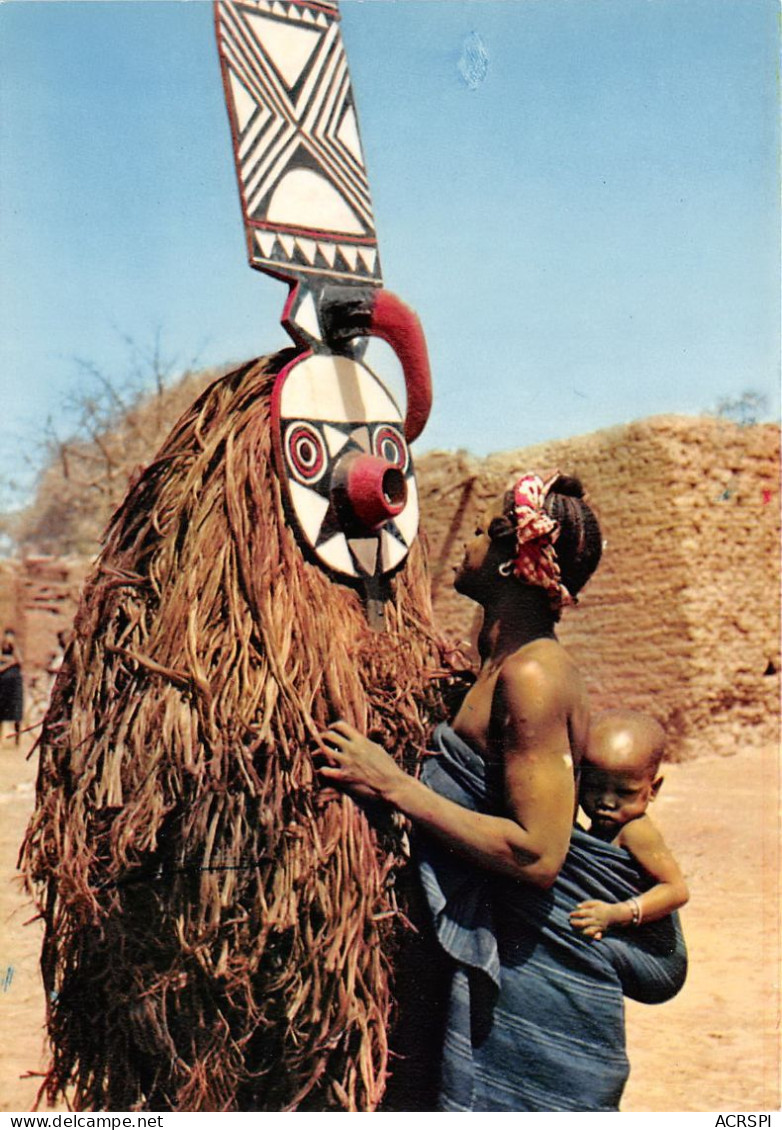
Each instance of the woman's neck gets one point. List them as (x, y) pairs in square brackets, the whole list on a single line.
[(519, 615)]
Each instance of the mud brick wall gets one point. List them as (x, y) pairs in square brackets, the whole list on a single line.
[(682, 617), (48, 590), (10, 595), (38, 598)]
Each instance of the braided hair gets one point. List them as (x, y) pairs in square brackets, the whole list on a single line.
[(580, 542)]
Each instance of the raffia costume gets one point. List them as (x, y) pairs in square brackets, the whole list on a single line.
[(218, 929)]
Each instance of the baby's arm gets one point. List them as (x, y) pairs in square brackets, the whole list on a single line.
[(646, 845), (642, 839)]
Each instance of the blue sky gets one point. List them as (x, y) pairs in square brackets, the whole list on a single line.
[(589, 233)]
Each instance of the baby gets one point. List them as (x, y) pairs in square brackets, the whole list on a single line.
[(618, 781)]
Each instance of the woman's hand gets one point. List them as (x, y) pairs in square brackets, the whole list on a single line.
[(357, 764)]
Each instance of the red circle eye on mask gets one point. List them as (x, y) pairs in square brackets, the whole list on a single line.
[(389, 444), (305, 452)]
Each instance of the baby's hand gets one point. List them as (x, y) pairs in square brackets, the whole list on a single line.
[(592, 918)]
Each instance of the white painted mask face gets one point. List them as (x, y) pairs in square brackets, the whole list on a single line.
[(346, 465)]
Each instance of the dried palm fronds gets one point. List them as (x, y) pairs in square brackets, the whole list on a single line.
[(217, 926)]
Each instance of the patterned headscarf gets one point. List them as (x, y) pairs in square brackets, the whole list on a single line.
[(536, 534)]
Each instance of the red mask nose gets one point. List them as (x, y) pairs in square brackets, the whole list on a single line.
[(375, 490)]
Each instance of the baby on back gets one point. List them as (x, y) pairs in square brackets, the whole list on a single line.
[(619, 779)]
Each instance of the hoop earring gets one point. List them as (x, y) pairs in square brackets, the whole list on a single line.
[(506, 569)]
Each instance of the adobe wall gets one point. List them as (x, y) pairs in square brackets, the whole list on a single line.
[(682, 617), (38, 599), (9, 594)]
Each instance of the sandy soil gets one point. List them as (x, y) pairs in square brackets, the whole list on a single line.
[(714, 1048)]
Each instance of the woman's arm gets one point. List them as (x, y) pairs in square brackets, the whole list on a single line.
[(532, 711), (530, 844)]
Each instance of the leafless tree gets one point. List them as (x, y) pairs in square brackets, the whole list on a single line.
[(115, 423)]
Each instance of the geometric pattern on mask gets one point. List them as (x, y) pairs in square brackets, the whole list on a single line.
[(312, 450), (303, 184)]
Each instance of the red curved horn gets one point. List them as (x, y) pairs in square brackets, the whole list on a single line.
[(397, 324)]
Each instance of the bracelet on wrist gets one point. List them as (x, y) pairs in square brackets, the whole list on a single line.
[(636, 912)]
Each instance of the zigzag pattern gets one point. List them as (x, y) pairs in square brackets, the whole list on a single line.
[(296, 144)]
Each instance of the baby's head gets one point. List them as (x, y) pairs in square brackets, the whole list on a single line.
[(619, 774)]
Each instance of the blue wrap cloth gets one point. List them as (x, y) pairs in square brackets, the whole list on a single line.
[(536, 1013)]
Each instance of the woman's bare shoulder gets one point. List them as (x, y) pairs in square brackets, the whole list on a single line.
[(542, 659), (541, 683)]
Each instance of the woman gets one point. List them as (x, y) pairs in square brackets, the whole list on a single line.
[(527, 713), (536, 1011), (11, 685)]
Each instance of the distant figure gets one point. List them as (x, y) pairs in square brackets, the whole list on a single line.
[(11, 686), (619, 781)]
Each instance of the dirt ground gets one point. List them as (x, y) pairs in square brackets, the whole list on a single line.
[(714, 1048)]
